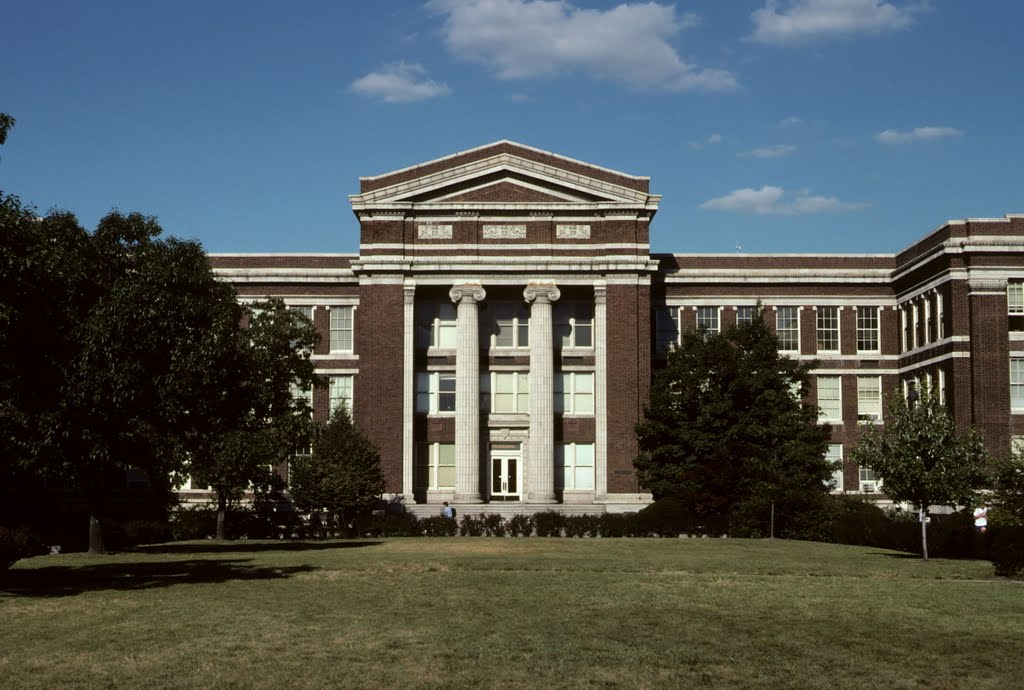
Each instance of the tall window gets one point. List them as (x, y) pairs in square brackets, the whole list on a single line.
[(577, 463), (574, 393), (787, 328), (510, 391), (304, 310), (435, 392), (339, 390), (745, 315), (666, 328), (436, 325), (830, 399), (834, 455), (303, 396), (869, 398), (828, 329), (707, 319), (868, 482), (867, 329), (1015, 297), (341, 329), (435, 466), (509, 324), (574, 324), (1017, 384)]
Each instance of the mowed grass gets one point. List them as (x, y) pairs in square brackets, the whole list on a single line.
[(468, 612)]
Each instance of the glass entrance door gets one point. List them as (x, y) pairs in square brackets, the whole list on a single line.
[(504, 478)]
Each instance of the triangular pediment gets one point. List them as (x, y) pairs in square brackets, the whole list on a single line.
[(503, 173)]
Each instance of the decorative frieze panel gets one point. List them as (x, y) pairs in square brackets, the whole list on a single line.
[(504, 232), (572, 232), (434, 232)]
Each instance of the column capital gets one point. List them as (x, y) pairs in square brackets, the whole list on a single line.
[(467, 292), (541, 293), (600, 294)]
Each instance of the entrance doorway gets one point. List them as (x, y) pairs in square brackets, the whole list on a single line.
[(505, 478)]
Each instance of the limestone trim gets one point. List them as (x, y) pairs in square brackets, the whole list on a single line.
[(600, 392), (408, 392), (540, 470), (467, 392)]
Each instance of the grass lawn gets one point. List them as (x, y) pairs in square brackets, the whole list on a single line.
[(464, 612)]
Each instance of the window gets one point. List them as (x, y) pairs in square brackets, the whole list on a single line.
[(574, 393), (305, 311), (435, 392), (509, 324), (834, 455), (867, 329), (577, 463), (939, 328), (830, 399), (341, 329), (1017, 384), (436, 325), (435, 466), (1015, 297), (511, 392), (868, 482), (745, 315), (666, 328), (340, 392), (828, 329), (869, 398), (787, 328), (574, 324), (303, 396), (707, 319)]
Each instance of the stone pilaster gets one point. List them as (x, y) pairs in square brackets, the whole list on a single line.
[(467, 392), (600, 393), (408, 394), (540, 468)]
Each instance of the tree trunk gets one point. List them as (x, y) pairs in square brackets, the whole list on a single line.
[(95, 536), (222, 510), (924, 533)]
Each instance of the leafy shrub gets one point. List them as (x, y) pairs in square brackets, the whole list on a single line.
[(494, 525), (471, 526), (437, 526), (193, 523), (386, 525), (617, 524), (1007, 551), (17, 543), (581, 525), (667, 517), (520, 526), (548, 524)]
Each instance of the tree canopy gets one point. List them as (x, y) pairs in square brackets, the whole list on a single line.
[(343, 475), (726, 431), (921, 458)]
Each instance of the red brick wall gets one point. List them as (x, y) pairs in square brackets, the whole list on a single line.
[(628, 380)]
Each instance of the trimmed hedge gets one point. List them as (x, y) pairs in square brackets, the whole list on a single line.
[(17, 543)]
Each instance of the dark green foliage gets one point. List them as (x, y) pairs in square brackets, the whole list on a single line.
[(17, 543), (582, 525), (668, 517), (6, 123), (922, 458), (494, 525), (1008, 491), (618, 525), (342, 476), (437, 526), (723, 431), (1007, 551), (123, 535), (520, 526), (548, 524), (381, 524)]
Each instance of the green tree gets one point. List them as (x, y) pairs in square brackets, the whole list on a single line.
[(6, 124), (1007, 501), (254, 421), (725, 430), (921, 458), (343, 475)]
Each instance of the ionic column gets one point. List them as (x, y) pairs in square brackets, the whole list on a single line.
[(467, 393), (600, 393), (540, 466), (408, 393)]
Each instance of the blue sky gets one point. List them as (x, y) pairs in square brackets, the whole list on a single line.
[(778, 126)]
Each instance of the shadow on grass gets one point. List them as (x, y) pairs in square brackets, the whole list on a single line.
[(250, 546), (69, 580)]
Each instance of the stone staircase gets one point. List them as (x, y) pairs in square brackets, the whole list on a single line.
[(506, 510)]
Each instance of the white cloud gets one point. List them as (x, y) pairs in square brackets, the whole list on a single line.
[(775, 201), (715, 138), (776, 151), (791, 121), (806, 20), (399, 82), (892, 136), (524, 39)]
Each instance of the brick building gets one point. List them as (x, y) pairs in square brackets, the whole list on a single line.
[(496, 332)]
